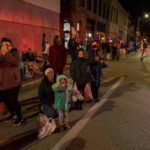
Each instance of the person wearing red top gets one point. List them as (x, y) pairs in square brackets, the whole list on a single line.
[(57, 55), (10, 80)]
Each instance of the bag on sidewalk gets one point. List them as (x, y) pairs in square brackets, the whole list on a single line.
[(45, 126), (88, 92), (76, 94), (3, 109)]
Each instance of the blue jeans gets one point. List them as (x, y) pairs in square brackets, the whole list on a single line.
[(49, 111)]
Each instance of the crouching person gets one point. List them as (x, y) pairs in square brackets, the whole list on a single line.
[(46, 93), (63, 96)]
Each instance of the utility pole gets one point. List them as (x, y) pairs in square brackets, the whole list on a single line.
[(138, 28)]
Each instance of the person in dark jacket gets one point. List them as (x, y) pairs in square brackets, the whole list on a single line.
[(80, 74), (144, 50), (46, 93), (73, 44), (29, 55), (57, 55), (93, 52), (10, 80), (114, 51), (107, 50), (96, 65), (96, 70)]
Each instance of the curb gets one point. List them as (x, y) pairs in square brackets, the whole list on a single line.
[(6, 143), (31, 84)]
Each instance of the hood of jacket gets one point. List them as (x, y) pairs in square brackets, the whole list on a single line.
[(59, 77)]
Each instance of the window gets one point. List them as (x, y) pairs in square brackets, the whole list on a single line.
[(90, 25), (107, 16), (117, 17), (101, 27), (78, 26), (66, 33), (114, 18), (104, 10), (89, 4), (95, 6), (100, 8), (112, 12), (82, 3), (66, 25)]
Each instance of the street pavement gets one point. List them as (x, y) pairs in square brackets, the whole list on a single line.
[(121, 123)]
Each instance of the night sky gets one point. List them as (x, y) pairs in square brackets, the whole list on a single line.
[(136, 7)]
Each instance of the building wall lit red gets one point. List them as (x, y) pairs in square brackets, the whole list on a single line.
[(25, 23)]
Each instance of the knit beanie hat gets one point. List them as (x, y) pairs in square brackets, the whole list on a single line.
[(47, 70)]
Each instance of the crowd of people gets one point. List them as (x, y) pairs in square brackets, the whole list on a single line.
[(29, 67), (55, 92)]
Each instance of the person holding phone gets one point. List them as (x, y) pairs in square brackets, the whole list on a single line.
[(10, 80)]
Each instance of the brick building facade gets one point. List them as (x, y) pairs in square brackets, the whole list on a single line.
[(105, 18), (24, 21)]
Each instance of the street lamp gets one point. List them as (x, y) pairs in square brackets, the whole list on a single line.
[(146, 15), (90, 35)]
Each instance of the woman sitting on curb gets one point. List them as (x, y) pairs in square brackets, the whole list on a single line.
[(46, 93)]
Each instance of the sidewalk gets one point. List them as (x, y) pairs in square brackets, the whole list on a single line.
[(29, 113), (12, 135)]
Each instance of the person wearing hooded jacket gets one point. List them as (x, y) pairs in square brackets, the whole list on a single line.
[(46, 93), (63, 95), (81, 75)]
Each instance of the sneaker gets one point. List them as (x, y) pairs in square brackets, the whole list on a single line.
[(11, 118), (18, 122), (97, 100)]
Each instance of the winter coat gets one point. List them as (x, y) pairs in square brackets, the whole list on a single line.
[(92, 55), (96, 70), (62, 94), (80, 72), (72, 45), (10, 76), (114, 50), (29, 56), (107, 48), (45, 92), (57, 57), (144, 45)]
